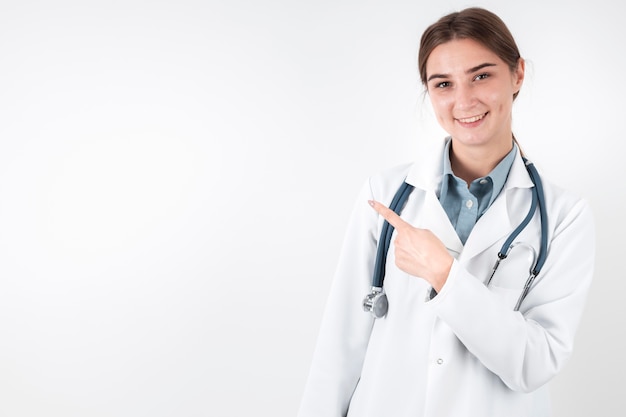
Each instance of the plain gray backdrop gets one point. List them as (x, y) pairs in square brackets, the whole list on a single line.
[(176, 178)]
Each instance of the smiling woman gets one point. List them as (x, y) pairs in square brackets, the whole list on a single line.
[(175, 178), (473, 100), (457, 339)]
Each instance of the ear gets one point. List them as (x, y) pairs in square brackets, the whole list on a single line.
[(518, 75)]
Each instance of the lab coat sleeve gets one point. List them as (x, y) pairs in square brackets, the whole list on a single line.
[(526, 348), (345, 328)]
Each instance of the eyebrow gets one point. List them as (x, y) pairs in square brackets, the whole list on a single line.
[(469, 71)]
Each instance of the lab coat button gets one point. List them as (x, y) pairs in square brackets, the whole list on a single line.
[(439, 361)]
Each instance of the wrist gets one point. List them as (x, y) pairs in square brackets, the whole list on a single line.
[(439, 279)]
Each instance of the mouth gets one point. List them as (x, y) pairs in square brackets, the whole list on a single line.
[(472, 119)]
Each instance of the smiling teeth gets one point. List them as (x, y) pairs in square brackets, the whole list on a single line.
[(472, 119)]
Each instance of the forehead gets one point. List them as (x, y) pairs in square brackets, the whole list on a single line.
[(459, 55)]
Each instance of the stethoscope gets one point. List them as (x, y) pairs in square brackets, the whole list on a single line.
[(376, 301)]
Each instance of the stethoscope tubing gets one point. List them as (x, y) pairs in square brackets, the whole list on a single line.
[(543, 215), (398, 202)]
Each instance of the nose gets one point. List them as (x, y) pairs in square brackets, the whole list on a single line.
[(464, 97)]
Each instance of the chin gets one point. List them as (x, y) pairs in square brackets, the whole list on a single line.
[(470, 140)]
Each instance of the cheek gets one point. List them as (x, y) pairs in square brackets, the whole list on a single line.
[(501, 99), (499, 102), (441, 106)]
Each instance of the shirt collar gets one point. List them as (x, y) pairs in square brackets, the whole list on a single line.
[(498, 175)]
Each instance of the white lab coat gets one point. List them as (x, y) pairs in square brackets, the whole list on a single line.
[(464, 352)]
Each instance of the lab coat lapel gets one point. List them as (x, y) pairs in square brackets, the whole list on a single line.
[(436, 220), (506, 212), (425, 175)]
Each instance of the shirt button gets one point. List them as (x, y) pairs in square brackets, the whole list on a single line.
[(439, 361), (483, 181), (469, 203)]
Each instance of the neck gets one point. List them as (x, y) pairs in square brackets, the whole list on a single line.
[(469, 162)]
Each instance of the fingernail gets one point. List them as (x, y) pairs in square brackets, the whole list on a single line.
[(370, 202)]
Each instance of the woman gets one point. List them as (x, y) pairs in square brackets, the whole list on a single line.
[(454, 341)]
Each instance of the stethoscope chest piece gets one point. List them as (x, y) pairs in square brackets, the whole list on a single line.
[(376, 303)]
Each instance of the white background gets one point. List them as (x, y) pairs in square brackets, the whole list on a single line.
[(176, 177)]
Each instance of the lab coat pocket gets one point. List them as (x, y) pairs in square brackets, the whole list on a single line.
[(507, 296)]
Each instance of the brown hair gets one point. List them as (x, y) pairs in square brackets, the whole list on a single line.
[(473, 23)]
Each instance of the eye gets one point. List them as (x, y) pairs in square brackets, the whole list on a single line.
[(481, 77), (443, 84)]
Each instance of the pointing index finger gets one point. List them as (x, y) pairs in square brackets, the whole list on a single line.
[(388, 214)]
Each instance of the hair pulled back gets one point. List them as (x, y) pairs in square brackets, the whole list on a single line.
[(473, 23)]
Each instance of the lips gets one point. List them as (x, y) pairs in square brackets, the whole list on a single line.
[(472, 119)]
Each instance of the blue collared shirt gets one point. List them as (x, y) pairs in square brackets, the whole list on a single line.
[(464, 205)]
